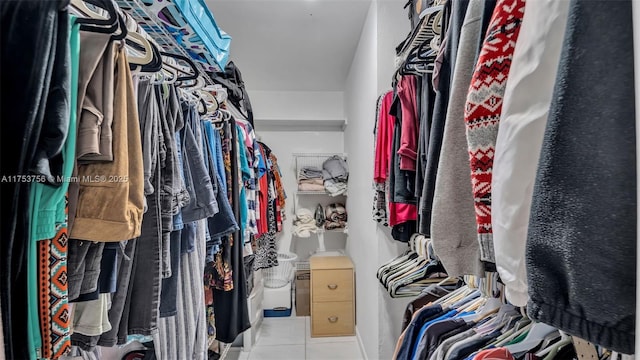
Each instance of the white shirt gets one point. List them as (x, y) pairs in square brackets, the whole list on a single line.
[(525, 110)]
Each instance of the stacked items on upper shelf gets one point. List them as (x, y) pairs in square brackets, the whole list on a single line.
[(321, 174)]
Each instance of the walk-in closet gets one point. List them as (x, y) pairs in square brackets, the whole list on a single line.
[(319, 179)]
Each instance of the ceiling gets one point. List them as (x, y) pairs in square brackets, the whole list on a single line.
[(292, 45)]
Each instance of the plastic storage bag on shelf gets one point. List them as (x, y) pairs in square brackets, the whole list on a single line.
[(206, 30)]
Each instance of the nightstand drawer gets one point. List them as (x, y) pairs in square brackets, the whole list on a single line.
[(332, 285), (332, 319)]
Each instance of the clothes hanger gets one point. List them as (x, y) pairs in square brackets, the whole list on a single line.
[(492, 306), (400, 270), (163, 73), (195, 73), (94, 21), (138, 43), (193, 90), (188, 96), (412, 242), (403, 268), (516, 333), (133, 38), (177, 69), (510, 326), (512, 321), (506, 334), (173, 73), (462, 304), (81, 6), (449, 302), (157, 78), (210, 100), (221, 93), (537, 333), (548, 342), (553, 350), (501, 316), (122, 25), (455, 295), (398, 266), (386, 266), (472, 305), (225, 116), (383, 269), (426, 52), (197, 85), (406, 278), (156, 64), (202, 107), (463, 289), (420, 60), (423, 272)]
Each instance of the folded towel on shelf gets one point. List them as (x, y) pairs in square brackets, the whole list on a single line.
[(309, 172), (335, 188), (335, 225), (311, 187), (304, 224), (336, 216), (305, 230), (316, 181)]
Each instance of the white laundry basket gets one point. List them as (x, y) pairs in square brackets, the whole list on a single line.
[(281, 275)]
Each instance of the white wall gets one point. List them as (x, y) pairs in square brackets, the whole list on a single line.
[(393, 26), (379, 317), (284, 144), (297, 105), (360, 97)]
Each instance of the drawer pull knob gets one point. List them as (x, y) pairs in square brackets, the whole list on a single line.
[(333, 319), (332, 286)]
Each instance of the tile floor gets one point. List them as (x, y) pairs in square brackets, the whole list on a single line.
[(289, 339)]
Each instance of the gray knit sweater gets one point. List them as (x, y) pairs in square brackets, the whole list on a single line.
[(453, 225)]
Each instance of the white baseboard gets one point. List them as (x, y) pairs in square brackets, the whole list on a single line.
[(361, 345)]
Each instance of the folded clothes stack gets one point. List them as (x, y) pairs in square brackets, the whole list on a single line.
[(335, 174), (310, 179), (335, 216), (304, 224)]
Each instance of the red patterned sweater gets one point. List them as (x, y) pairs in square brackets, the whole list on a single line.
[(483, 109)]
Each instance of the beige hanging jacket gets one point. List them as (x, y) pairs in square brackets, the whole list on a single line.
[(111, 198)]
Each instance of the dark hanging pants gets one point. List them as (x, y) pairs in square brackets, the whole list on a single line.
[(581, 246), (232, 313), (30, 40)]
